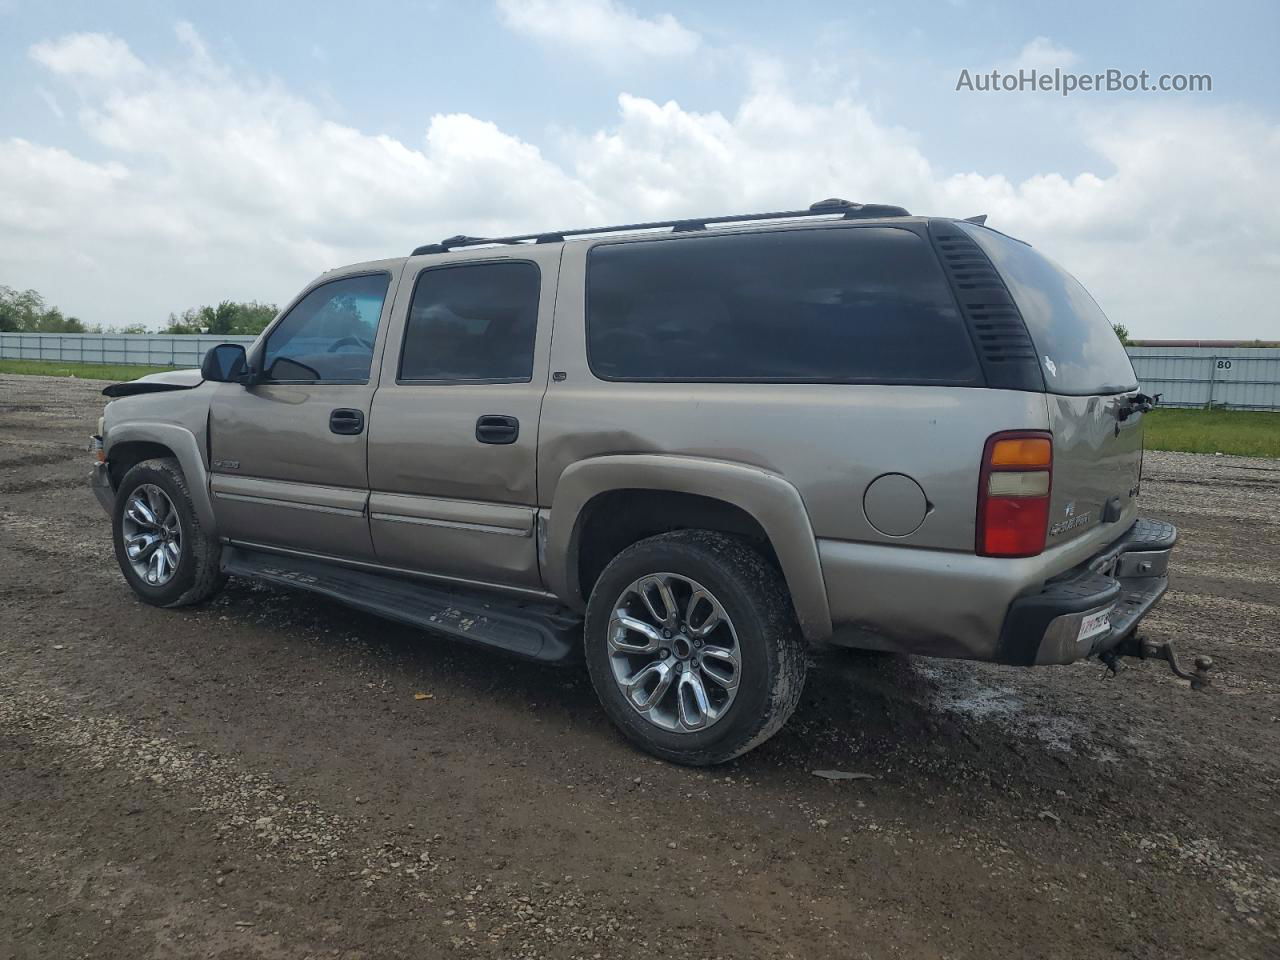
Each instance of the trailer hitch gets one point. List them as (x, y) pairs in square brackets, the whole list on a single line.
[(1147, 649)]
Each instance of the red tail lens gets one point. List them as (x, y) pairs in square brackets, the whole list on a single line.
[(1013, 494)]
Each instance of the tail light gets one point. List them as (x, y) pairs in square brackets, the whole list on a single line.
[(1013, 493)]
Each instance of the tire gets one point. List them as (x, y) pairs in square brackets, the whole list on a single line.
[(753, 599), (196, 575)]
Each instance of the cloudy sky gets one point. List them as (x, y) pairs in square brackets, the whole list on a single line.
[(159, 155)]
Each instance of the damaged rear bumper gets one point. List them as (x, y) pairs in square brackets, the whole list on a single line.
[(1090, 609)]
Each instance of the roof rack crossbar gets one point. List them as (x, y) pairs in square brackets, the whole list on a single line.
[(823, 208)]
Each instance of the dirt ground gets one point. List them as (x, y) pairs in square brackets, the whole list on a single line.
[(256, 777)]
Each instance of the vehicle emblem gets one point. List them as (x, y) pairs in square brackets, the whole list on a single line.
[(1070, 509), (226, 464), (1052, 367)]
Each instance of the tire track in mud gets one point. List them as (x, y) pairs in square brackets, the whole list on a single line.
[(60, 539)]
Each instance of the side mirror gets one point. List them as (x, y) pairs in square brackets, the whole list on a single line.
[(225, 363)]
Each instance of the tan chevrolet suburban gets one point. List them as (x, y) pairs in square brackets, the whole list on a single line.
[(690, 452)]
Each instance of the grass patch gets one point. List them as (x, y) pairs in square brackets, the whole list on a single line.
[(1245, 433), (85, 371)]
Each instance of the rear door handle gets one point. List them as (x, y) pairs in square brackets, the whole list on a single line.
[(497, 429), (346, 422)]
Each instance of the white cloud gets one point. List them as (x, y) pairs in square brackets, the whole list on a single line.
[(603, 30), (93, 56), (1041, 54), (219, 185)]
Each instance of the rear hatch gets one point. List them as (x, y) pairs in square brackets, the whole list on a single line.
[(1089, 386)]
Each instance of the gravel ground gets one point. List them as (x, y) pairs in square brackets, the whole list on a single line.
[(256, 777)]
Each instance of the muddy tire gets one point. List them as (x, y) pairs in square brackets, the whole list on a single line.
[(693, 646), (165, 555)]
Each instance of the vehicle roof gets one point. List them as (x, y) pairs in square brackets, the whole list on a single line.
[(838, 213), (389, 264), (832, 209)]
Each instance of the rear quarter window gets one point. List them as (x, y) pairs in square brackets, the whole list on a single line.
[(847, 305), (1079, 351)]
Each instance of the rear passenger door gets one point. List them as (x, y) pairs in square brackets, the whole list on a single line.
[(454, 426)]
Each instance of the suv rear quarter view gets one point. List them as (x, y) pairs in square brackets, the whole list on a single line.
[(689, 452)]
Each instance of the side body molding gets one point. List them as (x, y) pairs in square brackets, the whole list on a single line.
[(774, 503), (185, 446)]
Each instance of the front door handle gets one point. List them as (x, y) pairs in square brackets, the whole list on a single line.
[(497, 429), (346, 422)]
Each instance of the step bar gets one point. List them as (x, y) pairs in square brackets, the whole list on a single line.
[(527, 628)]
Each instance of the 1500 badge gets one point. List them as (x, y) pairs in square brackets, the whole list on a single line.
[(1062, 526)]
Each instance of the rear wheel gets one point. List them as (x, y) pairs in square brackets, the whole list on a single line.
[(165, 555), (693, 647)]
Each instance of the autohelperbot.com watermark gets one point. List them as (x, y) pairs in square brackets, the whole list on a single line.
[(1066, 83)]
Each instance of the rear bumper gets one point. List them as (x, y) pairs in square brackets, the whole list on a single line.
[(1021, 611), (1091, 608)]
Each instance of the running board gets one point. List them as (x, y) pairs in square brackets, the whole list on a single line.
[(526, 628)]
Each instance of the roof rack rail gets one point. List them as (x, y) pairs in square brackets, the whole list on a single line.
[(823, 208)]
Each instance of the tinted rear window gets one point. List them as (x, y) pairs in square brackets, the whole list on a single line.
[(473, 321), (1079, 351), (861, 304)]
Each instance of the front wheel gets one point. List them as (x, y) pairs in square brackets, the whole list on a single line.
[(693, 647), (165, 555)]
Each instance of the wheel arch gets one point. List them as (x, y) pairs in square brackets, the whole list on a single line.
[(737, 498), (131, 443)]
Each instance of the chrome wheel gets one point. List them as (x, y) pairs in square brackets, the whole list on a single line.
[(152, 535), (674, 652)]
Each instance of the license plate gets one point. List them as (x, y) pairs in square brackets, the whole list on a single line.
[(1094, 624)]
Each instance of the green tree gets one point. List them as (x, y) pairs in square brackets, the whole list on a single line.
[(228, 318), (1123, 333), (26, 312)]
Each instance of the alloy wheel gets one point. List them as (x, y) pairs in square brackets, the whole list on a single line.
[(152, 535), (674, 652)]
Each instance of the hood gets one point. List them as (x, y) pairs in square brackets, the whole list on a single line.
[(156, 383)]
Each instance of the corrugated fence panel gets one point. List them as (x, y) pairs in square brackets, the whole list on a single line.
[(1244, 378), (157, 350), (1240, 377)]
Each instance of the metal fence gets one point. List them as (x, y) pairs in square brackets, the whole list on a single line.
[(152, 349), (1242, 378), (1246, 378)]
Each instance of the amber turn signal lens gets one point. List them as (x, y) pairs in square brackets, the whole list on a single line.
[(1022, 452)]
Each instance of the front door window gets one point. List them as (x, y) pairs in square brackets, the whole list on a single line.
[(328, 335)]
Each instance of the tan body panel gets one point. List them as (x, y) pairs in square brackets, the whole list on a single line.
[(280, 432), (184, 435), (488, 542), (443, 502), (1096, 457), (767, 497)]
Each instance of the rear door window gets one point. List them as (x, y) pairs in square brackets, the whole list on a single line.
[(845, 305), (473, 323), (1079, 351)]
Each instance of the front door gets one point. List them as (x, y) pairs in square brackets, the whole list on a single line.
[(454, 436), (289, 455)]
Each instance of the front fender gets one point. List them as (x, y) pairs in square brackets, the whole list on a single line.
[(774, 503), (185, 446)]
